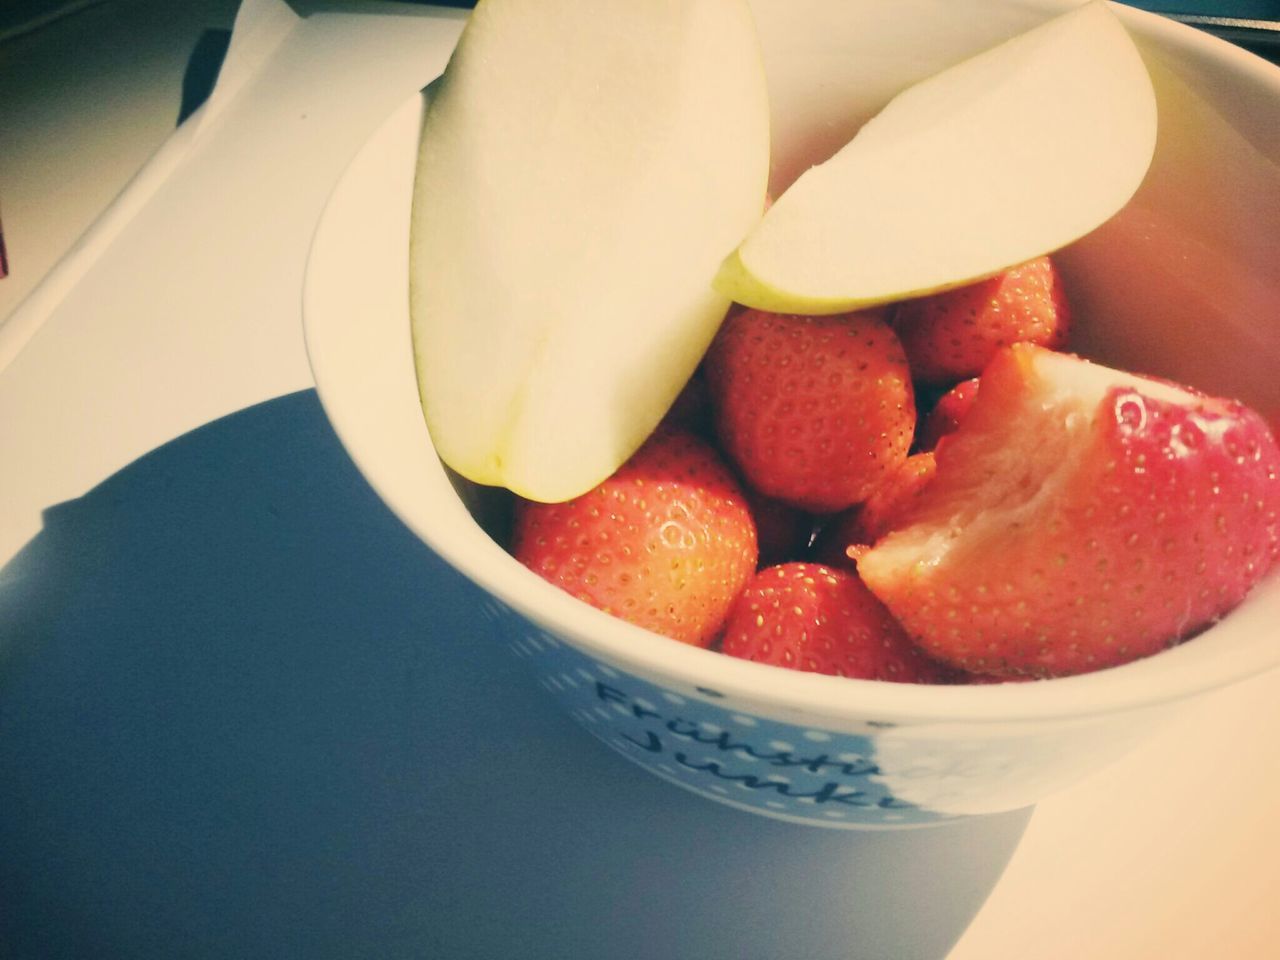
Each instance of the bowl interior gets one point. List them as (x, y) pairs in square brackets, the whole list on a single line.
[(1182, 284)]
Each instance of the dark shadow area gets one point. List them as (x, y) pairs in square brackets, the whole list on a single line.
[(460, 4), (202, 70), (244, 713)]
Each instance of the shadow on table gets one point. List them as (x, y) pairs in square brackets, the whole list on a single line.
[(244, 713)]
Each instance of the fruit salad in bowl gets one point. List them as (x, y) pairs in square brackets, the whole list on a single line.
[(916, 491)]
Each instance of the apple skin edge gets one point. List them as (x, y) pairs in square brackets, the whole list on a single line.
[(735, 281)]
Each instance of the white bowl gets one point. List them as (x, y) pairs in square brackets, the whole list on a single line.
[(1183, 283)]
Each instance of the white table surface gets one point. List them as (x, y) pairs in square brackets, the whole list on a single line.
[(1172, 853)]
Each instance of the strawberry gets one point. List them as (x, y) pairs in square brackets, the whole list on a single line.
[(1080, 518), (813, 410), (810, 617), (666, 543), (863, 525), (947, 413), (952, 335)]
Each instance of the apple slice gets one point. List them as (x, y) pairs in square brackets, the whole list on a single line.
[(584, 168), (1002, 158)]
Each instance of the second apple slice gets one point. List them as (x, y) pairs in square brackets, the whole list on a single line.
[(1008, 155)]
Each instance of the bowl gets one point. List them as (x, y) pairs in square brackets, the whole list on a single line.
[(1182, 284)]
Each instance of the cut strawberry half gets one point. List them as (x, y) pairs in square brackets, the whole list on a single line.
[(1080, 518)]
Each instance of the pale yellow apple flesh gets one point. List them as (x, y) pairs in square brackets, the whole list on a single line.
[(1004, 157), (1023, 465), (584, 168)]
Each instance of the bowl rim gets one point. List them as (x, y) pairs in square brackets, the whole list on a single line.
[(1169, 676)]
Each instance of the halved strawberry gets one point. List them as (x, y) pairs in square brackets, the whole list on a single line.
[(952, 335), (809, 617), (667, 542), (1080, 518), (813, 410)]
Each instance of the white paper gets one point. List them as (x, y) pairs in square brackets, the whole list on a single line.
[(182, 304), (259, 28)]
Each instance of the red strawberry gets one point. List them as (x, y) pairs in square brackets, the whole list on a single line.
[(667, 542), (947, 413), (809, 617), (863, 525), (1081, 518), (951, 336), (814, 410)]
